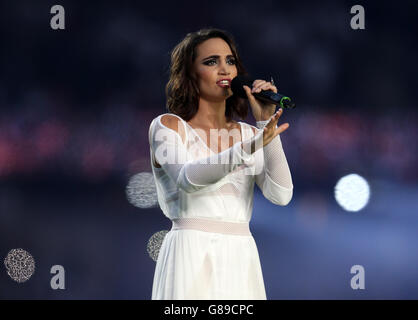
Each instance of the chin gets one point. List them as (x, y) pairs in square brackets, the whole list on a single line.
[(228, 94)]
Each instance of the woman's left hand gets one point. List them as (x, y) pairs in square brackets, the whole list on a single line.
[(260, 110)]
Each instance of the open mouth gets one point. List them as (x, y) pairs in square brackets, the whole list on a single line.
[(224, 83)]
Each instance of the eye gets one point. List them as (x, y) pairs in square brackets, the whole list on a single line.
[(209, 62), (232, 61)]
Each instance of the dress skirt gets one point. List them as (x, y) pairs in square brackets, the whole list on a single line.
[(201, 264)]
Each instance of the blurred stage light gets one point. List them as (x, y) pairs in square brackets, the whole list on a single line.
[(154, 244), (352, 192), (141, 191)]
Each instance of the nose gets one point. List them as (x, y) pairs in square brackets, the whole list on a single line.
[(224, 68)]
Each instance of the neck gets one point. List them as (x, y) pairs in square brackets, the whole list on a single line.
[(211, 114)]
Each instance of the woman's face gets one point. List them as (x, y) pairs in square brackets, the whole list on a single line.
[(214, 61)]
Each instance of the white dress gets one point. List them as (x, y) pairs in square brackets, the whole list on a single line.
[(197, 264)]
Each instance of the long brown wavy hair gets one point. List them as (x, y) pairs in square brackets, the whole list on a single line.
[(182, 90)]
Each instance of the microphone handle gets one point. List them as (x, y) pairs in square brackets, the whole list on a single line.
[(268, 96)]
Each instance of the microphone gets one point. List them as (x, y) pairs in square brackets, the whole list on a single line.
[(267, 96)]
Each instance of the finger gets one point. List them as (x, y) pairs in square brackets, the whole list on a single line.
[(265, 86), (248, 92), (270, 86), (275, 117), (269, 131), (282, 128), (273, 122), (257, 84), (271, 126)]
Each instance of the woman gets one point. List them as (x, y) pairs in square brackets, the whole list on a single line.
[(205, 183)]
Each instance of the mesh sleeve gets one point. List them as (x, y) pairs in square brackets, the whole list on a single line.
[(275, 180), (193, 175)]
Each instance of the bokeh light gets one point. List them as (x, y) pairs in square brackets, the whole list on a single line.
[(154, 244), (141, 191), (352, 192), (19, 264)]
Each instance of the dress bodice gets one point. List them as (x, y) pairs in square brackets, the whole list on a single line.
[(229, 199)]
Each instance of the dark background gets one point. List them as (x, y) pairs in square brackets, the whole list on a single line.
[(75, 108)]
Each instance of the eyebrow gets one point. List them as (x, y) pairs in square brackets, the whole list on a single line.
[(216, 56)]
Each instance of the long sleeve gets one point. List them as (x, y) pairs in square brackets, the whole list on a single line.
[(275, 180), (193, 175)]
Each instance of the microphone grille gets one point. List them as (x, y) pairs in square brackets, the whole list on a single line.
[(238, 82)]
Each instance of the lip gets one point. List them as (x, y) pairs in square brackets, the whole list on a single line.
[(223, 85)]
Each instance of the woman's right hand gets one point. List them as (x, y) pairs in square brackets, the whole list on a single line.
[(270, 131)]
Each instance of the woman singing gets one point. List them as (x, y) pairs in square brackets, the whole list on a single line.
[(205, 165)]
